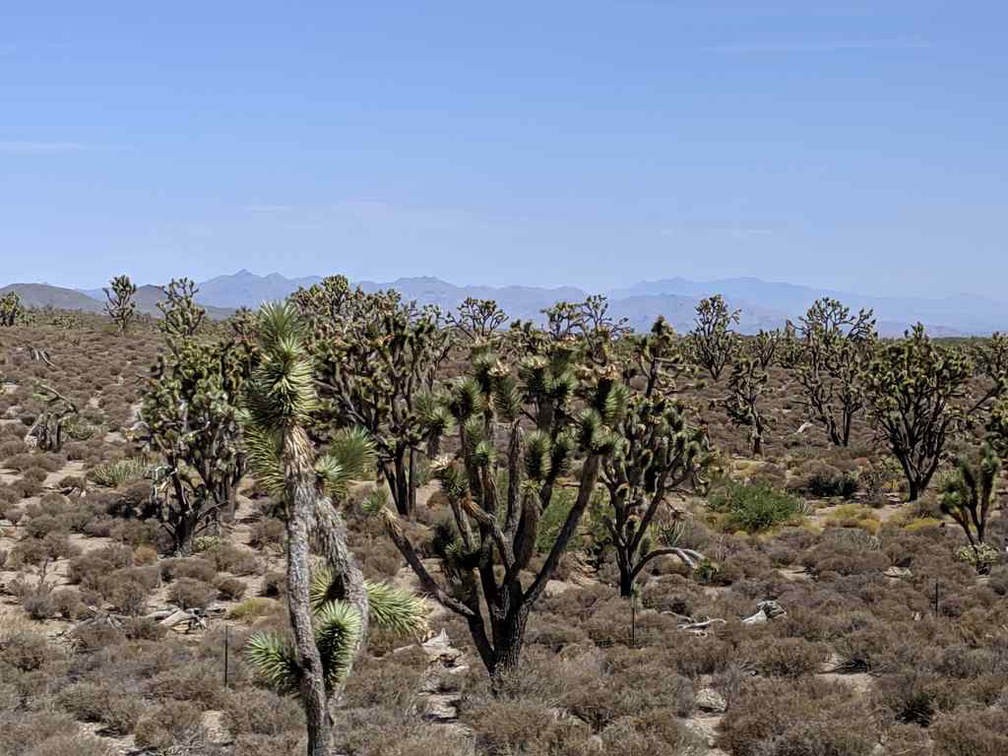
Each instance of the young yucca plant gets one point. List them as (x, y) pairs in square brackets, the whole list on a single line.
[(114, 474)]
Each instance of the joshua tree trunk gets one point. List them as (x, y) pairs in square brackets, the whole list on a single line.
[(509, 638), (301, 496)]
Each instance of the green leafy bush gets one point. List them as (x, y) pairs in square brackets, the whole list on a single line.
[(753, 507)]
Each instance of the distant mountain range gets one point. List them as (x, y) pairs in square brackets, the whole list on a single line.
[(764, 304)]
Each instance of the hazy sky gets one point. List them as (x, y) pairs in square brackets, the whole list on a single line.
[(856, 145)]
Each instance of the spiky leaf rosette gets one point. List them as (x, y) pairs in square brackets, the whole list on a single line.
[(390, 607), (274, 658), (281, 392), (337, 629), (350, 456)]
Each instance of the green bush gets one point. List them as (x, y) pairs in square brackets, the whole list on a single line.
[(753, 507)]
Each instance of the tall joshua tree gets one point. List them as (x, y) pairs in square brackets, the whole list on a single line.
[(189, 416), (918, 395), (837, 348), (330, 611), (713, 341), (656, 452), (477, 322), (498, 498), (181, 316), (382, 358), (747, 384), (120, 305)]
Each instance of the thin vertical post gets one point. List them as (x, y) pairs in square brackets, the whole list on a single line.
[(633, 620), (227, 628)]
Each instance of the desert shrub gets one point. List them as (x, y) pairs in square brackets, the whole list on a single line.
[(853, 515), (173, 723), (195, 568), (653, 733), (230, 588), (783, 657), (26, 488), (191, 681), (67, 603), (803, 717), (629, 683), (37, 551), (188, 593), (504, 727), (42, 525), (26, 650), (268, 532), (34, 475), (75, 744), (90, 702), (126, 591), (23, 733), (261, 712), (966, 732), (914, 697), (90, 638), (822, 480), (845, 551), (229, 558), (144, 555), (753, 507), (143, 628), (252, 608), (89, 570)]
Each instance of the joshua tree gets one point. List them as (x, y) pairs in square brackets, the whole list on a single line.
[(120, 306), (837, 348), (790, 351), (329, 613), (747, 384), (713, 340), (12, 311), (182, 317), (968, 494), (997, 427), (498, 498), (764, 347), (918, 394), (189, 416), (46, 433), (656, 453), (383, 357), (477, 322)]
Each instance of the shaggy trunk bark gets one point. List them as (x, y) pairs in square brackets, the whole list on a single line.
[(301, 496), (509, 638)]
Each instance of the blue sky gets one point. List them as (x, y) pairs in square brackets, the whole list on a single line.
[(854, 145)]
